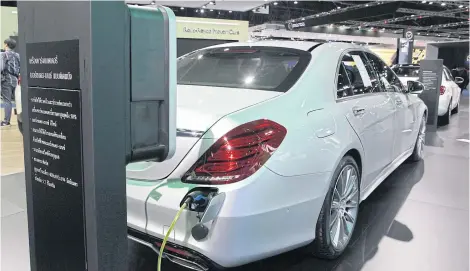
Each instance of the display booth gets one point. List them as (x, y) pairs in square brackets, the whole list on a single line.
[(455, 55)]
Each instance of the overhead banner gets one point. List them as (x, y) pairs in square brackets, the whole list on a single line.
[(213, 29)]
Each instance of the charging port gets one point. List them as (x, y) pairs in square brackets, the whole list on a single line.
[(198, 198)]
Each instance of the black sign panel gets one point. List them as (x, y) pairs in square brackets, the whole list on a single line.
[(53, 64), (430, 74), (54, 109)]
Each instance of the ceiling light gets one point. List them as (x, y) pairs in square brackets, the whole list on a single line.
[(204, 6), (249, 80), (443, 4), (212, 2), (202, 11), (181, 8), (303, 19), (461, 6), (367, 5), (275, 3), (212, 10), (229, 11), (424, 2), (197, 10), (412, 15), (295, 2), (431, 3)]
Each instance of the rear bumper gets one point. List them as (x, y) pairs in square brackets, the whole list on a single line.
[(264, 215), (174, 253)]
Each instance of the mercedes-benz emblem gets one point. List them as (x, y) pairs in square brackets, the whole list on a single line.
[(409, 35)]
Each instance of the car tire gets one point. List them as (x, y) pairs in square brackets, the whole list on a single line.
[(20, 126), (20, 122), (324, 244), (417, 154), (456, 109), (445, 119)]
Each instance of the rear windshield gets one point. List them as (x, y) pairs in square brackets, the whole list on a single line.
[(406, 71), (263, 68)]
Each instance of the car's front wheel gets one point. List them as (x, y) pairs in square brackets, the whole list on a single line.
[(419, 145), (338, 216), (456, 109)]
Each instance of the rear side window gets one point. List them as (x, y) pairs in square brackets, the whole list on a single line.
[(343, 88), (256, 67), (448, 74)]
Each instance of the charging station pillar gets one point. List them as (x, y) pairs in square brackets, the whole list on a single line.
[(82, 114), (74, 83)]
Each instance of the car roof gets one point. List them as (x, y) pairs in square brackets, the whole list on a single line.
[(299, 45)]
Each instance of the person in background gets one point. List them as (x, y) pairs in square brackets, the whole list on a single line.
[(10, 69)]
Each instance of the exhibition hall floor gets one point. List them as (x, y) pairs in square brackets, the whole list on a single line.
[(418, 219)]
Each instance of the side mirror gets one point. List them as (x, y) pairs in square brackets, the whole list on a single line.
[(459, 80), (415, 87)]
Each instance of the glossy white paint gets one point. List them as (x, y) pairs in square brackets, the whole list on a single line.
[(452, 93), (275, 209)]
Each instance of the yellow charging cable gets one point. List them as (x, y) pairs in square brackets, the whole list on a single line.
[(168, 234)]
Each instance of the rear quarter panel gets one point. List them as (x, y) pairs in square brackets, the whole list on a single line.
[(306, 110)]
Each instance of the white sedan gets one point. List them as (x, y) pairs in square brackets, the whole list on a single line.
[(449, 99), (284, 139)]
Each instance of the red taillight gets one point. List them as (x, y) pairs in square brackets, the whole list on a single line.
[(19, 79), (442, 90), (238, 154)]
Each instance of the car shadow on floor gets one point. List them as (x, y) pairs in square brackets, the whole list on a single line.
[(376, 220)]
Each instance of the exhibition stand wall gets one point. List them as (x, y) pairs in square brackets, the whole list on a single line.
[(9, 22)]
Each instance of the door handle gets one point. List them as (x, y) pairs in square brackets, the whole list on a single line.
[(358, 111)]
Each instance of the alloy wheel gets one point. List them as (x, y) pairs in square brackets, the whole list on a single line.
[(344, 207), (421, 137)]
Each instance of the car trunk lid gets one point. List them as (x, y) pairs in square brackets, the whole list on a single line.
[(198, 108)]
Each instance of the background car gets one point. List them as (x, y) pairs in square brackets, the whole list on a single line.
[(449, 99), (288, 136)]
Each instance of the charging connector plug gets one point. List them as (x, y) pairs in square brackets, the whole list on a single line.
[(197, 201)]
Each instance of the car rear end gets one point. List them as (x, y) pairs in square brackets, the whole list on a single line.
[(229, 130), (411, 73)]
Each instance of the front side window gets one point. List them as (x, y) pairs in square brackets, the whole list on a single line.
[(357, 73), (406, 71), (256, 67), (387, 78)]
